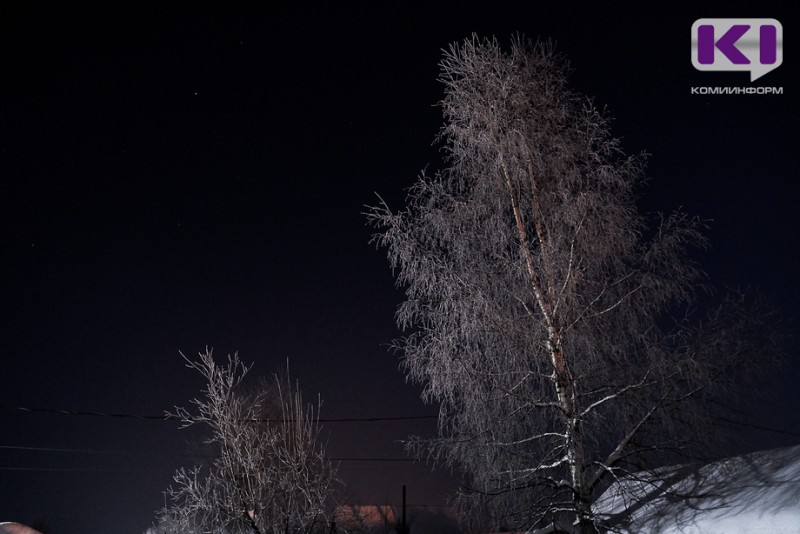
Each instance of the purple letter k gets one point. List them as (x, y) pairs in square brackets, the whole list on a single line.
[(726, 44)]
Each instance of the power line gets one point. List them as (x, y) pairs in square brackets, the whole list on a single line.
[(375, 419), (56, 449), (410, 460), (73, 469), (759, 427), (79, 412), (165, 417), (98, 451)]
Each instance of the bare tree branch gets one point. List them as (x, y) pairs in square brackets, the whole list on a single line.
[(269, 473)]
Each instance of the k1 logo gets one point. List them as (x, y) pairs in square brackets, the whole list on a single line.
[(754, 45)]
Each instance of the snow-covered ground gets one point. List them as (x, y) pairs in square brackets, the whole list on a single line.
[(755, 493), (16, 528)]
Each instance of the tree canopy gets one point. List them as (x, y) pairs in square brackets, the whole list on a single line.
[(542, 310)]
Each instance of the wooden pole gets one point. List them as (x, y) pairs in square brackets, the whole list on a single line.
[(404, 529)]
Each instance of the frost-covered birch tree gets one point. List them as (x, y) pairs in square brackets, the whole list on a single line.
[(539, 301), (268, 472)]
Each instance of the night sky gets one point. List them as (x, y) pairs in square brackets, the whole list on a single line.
[(176, 177)]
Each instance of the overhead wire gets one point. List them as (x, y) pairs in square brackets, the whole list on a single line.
[(166, 417), (99, 451), (26, 448)]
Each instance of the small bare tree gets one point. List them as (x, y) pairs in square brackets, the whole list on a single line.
[(539, 299), (269, 473)]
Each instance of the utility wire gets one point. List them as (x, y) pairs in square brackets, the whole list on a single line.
[(73, 469), (97, 451), (758, 427), (120, 470), (173, 418), (79, 412), (55, 449)]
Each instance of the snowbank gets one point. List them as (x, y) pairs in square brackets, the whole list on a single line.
[(758, 492), (16, 528)]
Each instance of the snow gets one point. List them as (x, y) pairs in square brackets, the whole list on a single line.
[(16, 528), (758, 492)]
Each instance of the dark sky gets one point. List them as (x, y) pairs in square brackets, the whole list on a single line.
[(186, 176)]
